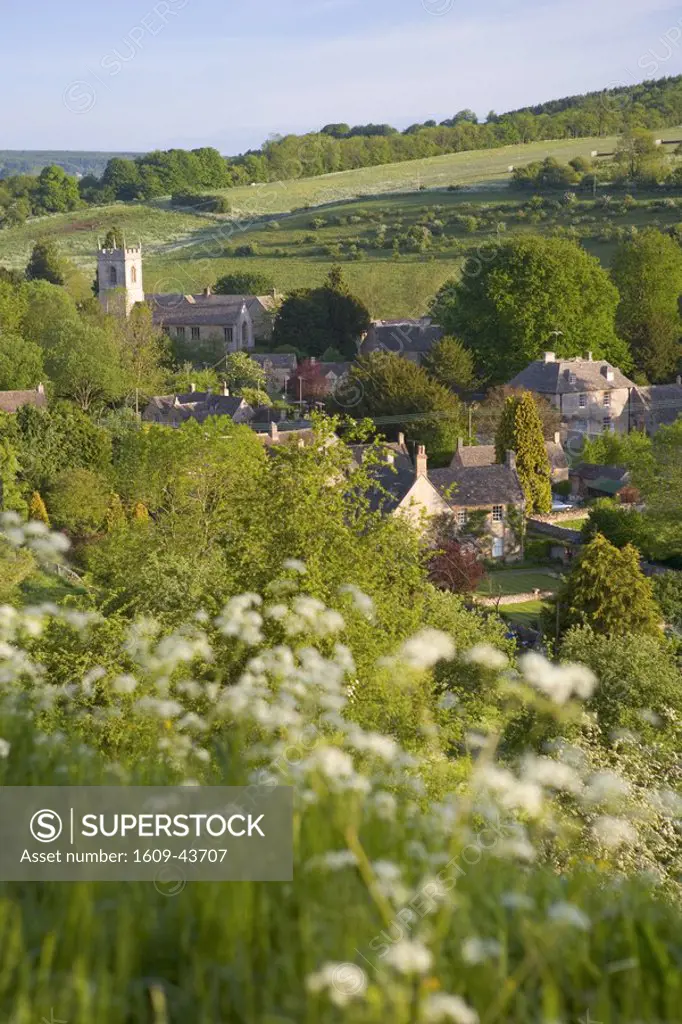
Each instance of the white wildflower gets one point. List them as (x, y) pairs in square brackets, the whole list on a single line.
[(551, 774), (448, 701), (511, 792), (409, 957), (341, 981), (427, 648), (124, 684), (385, 805), (386, 870), (606, 788), (363, 602), (517, 901), (487, 656), (441, 1008), (334, 860), (375, 743), (5, 748), (332, 762), (162, 708), (477, 951), (614, 832), (569, 914), (558, 682), (295, 565)]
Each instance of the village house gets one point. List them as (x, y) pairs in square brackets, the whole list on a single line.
[(591, 395), (595, 481), (12, 401), (485, 502), (279, 369), (656, 406), (471, 456), (411, 339), (174, 410)]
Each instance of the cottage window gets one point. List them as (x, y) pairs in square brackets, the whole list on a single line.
[(607, 399), (608, 423), (582, 401), (498, 513), (462, 517), (180, 333), (196, 334), (229, 335)]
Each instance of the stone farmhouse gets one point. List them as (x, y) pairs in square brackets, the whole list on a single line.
[(486, 503), (279, 368), (12, 401), (174, 410), (591, 395)]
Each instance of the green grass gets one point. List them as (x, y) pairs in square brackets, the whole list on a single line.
[(509, 582), (526, 614), (575, 522), (186, 251)]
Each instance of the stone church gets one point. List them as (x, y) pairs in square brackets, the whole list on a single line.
[(226, 319)]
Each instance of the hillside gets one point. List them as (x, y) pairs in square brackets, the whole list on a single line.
[(31, 161), (185, 251)]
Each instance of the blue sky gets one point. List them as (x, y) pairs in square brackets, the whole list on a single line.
[(140, 74)]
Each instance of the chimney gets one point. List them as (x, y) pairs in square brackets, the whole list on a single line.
[(274, 432), (421, 461), (207, 291), (557, 437), (401, 437), (511, 460), (41, 387), (192, 388), (607, 371), (550, 357), (226, 390), (589, 357)]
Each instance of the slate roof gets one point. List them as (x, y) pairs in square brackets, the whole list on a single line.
[(278, 360), (340, 369), (400, 336), (471, 456), (553, 377), (478, 486), (198, 310), (197, 405), (12, 401), (661, 403), (589, 471)]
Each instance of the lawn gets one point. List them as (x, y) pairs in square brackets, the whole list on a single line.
[(527, 614), (509, 582)]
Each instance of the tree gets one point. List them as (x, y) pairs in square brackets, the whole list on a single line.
[(315, 319), (607, 591), (451, 364), (490, 412), (143, 349), (244, 283), (56, 191), (514, 295), (46, 264), (638, 154), (85, 366), (668, 593), (385, 386), (114, 238), (21, 363), (37, 510), (456, 567), (647, 271), (621, 526), (520, 431), (638, 679), (308, 383), (78, 502), (243, 372)]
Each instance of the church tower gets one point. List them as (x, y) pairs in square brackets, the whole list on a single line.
[(119, 275)]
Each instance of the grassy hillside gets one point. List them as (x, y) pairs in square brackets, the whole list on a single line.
[(297, 229)]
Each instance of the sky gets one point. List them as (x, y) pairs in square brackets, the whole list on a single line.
[(137, 75)]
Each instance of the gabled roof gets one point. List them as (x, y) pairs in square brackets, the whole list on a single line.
[(589, 471), (478, 455), (663, 402), (12, 401), (551, 376), (278, 360), (198, 310), (400, 336), (198, 405), (478, 486)]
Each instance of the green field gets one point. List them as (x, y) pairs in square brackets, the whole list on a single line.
[(526, 614), (298, 229)]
